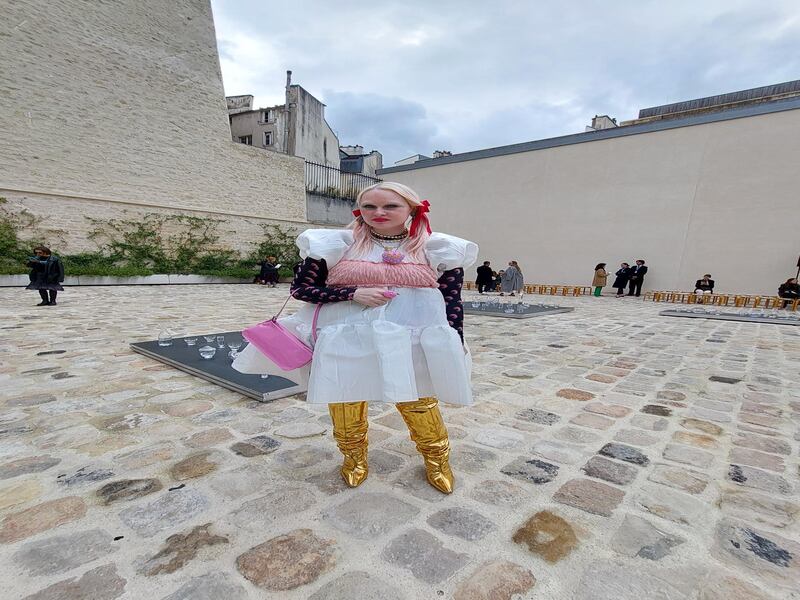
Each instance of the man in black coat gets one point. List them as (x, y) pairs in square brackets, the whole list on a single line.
[(484, 280), (637, 273), (704, 285)]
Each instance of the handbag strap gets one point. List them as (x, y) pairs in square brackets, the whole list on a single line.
[(278, 314), (313, 322)]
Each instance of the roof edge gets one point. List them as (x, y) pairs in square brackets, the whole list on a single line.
[(604, 134)]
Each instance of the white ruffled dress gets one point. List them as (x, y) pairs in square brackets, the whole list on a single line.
[(398, 352)]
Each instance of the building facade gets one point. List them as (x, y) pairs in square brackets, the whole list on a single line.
[(297, 128), (715, 192), (116, 110), (353, 159)]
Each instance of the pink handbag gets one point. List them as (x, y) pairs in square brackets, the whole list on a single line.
[(278, 344)]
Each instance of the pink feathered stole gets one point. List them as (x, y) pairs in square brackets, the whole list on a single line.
[(365, 273)]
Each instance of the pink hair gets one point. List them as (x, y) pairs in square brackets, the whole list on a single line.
[(414, 246)]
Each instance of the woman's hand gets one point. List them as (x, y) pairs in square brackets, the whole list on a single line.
[(371, 297)]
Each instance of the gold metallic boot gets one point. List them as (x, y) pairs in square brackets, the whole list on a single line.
[(427, 430), (350, 432)]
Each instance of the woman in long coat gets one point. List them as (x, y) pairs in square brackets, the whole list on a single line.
[(512, 279), (623, 275), (47, 273), (600, 279)]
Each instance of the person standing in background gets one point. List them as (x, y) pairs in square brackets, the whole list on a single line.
[(47, 274), (485, 278), (621, 280), (637, 278), (512, 279), (600, 279)]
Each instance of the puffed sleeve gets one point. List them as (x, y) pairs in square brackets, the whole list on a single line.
[(447, 252), (324, 244)]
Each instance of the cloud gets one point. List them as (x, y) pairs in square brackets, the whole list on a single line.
[(393, 126), (414, 76)]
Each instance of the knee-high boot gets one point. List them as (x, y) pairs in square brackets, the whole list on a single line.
[(350, 432), (428, 432)]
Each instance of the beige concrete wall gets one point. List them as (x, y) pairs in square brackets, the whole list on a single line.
[(720, 198), (123, 101)]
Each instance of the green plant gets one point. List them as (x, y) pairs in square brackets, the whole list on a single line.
[(277, 242), (14, 249), (149, 245)]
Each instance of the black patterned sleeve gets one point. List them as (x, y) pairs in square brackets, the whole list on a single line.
[(450, 285), (309, 284)]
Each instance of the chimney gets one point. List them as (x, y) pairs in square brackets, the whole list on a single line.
[(603, 122)]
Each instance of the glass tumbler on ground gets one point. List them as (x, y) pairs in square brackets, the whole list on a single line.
[(207, 352), (165, 337)]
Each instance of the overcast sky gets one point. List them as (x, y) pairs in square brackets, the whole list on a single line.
[(413, 77)]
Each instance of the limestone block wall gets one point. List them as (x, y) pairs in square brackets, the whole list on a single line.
[(65, 227), (107, 106)]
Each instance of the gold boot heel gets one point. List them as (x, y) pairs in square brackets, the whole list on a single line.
[(426, 426), (350, 432)]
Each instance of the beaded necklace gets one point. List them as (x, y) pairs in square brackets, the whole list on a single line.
[(390, 255)]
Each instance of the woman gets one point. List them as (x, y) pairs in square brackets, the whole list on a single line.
[(790, 290), (498, 279), (47, 273), (600, 279), (623, 274), (512, 279), (269, 271), (390, 329)]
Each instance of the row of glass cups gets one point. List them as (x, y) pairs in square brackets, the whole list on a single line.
[(207, 351)]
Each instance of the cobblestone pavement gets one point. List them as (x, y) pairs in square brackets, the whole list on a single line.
[(611, 454)]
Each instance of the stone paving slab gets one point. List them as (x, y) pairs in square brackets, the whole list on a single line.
[(611, 453)]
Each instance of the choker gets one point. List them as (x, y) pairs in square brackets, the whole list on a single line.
[(389, 238)]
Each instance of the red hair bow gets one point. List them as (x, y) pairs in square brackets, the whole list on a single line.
[(420, 218)]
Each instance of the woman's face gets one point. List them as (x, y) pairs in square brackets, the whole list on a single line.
[(39, 253), (385, 211)]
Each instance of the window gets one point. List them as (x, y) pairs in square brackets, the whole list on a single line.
[(267, 116), (268, 138), (325, 149), (246, 139)]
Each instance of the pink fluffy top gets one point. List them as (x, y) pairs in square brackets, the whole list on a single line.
[(371, 274)]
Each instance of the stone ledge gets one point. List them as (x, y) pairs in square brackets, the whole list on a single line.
[(23, 280)]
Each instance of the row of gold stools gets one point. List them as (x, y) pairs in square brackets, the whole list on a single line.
[(737, 300), (546, 289)]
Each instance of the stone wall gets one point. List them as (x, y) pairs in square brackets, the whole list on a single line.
[(64, 224), (111, 106)]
